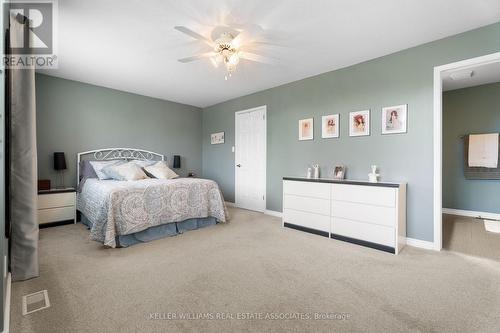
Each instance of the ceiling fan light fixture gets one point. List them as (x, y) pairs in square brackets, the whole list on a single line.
[(233, 59), (228, 47), (226, 53), (223, 43)]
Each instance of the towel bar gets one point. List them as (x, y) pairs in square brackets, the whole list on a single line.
[(485, 218)]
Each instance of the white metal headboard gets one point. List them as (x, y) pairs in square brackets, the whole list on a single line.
[(107, 154)]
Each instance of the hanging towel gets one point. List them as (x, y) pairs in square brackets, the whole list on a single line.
[(483, 150)]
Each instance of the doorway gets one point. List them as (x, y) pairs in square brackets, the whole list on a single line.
[(460, 70), (250, 159)]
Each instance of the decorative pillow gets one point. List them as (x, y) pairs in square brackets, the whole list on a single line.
[(126, 171), (86, 170), (144, 164), (100, 165), (160, 170)]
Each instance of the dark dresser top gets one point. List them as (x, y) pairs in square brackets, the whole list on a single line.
[(345, 181)]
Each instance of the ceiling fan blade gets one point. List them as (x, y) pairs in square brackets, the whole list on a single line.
[(262, 43), (263, 47), (193, 34), (198, 57), (257, 58), (214, 62), (238, 41), (248, 34)]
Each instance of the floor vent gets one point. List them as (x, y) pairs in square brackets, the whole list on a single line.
[(35, 302)]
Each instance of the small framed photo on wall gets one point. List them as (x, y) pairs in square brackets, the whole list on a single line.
[(359, 123), (330, 126), (306, 129), (394, 119), (217, 138)]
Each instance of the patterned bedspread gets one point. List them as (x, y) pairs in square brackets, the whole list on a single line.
[(122, 208)]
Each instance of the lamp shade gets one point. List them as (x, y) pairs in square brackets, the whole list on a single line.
[(59, 161), (177, 161)]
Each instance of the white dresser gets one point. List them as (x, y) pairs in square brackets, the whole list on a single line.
[(369, 214), (56, 205)]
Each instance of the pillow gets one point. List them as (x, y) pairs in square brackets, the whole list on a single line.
[(160, 170), (125, 171), (86, 170), (142, 163), (99, 165)]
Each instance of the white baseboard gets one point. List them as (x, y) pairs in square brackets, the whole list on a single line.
[(267, 211), (273, 213), (420, 243), (471, 213), (6, 314)]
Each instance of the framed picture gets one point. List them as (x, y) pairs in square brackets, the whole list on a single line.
[(359, 123), (330, 126), (339, 172), (217, 138), (394, 119), (306, 129)]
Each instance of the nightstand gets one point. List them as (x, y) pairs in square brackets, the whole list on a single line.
[(56, 205)]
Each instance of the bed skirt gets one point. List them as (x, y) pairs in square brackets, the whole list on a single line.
[(159, 231)]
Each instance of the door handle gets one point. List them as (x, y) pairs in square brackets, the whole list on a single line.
[(238, 165)]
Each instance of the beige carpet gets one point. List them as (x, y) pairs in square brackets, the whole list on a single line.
[(468, 236), (253, 265)]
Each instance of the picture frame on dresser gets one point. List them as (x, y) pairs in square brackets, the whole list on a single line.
[(339, 172)]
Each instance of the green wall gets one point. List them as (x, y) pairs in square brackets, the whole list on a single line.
[(405, 77), (73, 117), (470, 110)]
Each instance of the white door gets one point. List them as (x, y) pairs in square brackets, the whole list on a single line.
[(250, 159)]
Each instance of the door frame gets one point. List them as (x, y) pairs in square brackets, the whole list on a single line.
[(439, 71), (264, 181)]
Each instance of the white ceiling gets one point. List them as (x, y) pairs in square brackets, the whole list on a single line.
[(484, 74), (131, 45)]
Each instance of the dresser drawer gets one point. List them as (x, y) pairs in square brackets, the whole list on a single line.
[(364, 231), (56, 214), (364, 213), (53, 200), (307, 204), (308, 220), (307, 189), (372, 195)]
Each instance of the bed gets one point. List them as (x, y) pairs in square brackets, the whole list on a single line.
[(124, 213)]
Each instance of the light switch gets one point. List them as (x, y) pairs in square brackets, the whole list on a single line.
[(232, 149)]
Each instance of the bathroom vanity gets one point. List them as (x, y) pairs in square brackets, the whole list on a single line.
[(368, 214)]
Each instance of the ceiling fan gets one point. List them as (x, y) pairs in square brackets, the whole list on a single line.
[(229, 45)]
